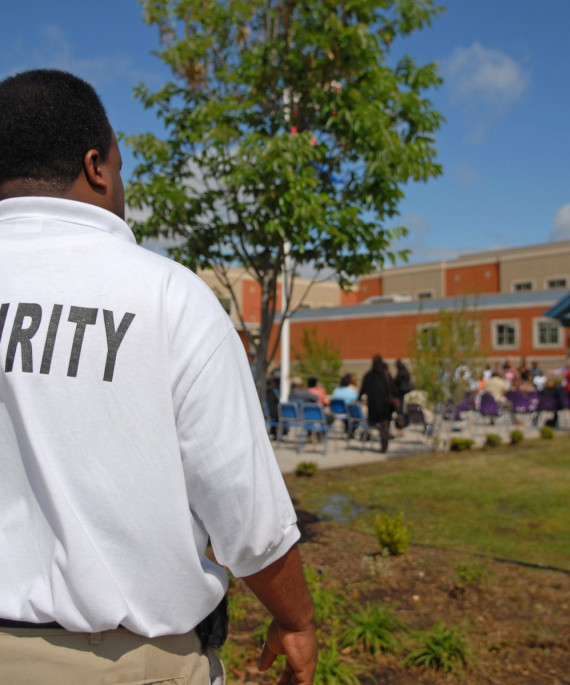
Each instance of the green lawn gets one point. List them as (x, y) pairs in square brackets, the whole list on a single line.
[(509, 502)]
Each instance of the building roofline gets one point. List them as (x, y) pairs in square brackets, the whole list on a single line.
[(483, 302)]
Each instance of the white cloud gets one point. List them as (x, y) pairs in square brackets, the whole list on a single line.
[(54, 50), (561, 230), (484, 83)]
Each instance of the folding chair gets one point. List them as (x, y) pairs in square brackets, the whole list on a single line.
[(270, 422), (339, 411), (289, 418), (314, 422), (357, 422)]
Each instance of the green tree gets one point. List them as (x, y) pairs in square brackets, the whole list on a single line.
[(445, 352), (319, 358), (286, 126)]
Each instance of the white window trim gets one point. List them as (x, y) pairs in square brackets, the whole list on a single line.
[(536, 338), (555, 278), (515, 323), (520, 282)]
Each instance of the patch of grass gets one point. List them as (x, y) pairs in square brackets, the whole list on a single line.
[(373, 628), (328, 604), (469, 573), (331, 669), (441, 648), (511, 504)]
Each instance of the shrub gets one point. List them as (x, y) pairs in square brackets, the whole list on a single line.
[(461, 444), (547, 432), (441, 648), (393, 534), (517, 436), (493, 440), (470, 573), (373, 628), (306, 468)]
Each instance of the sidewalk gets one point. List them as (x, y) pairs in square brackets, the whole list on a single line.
[(339, 453)]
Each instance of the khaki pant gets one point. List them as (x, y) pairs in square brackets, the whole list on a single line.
[(40, 656)]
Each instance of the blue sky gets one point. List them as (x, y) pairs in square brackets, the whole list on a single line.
[(506, 99)]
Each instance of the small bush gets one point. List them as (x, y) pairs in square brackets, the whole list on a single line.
[(547, 432), (393, 534), (470, 573), (441, 648), (517, 436), (306, 468), (493, 440), (373, 628), (461, 444)]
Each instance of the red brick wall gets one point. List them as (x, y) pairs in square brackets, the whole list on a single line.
[(472, 280), (369, 287)]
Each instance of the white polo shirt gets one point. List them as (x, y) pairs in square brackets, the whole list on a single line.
[(130, 431)]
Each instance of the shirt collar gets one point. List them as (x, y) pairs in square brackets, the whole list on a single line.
[(66, 211)]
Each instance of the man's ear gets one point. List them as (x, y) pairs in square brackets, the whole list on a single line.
[(94, 170)]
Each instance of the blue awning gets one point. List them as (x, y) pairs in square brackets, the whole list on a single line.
[(560, 310)]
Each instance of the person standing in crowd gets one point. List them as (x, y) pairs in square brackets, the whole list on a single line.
[(377, 388), (402, 386), (118, 463)]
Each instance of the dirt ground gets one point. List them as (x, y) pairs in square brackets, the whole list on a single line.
[(516, 618)]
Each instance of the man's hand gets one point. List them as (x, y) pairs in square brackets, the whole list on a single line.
[(301, 650), (282, 589)]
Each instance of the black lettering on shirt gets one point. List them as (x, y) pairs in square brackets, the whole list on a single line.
[(83, 317), (50, 338), (114, 339), (23, 336)]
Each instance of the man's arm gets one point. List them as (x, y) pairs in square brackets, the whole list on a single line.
[(281, 587)]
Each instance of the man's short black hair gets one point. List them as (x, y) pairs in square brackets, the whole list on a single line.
[(49, 119)]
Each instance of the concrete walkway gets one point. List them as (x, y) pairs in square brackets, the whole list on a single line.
[(340, 453)]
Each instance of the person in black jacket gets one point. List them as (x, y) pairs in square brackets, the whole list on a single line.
[(402, 386), (377, 387)]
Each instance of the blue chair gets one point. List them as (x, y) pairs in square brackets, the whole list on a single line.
[(337, 408), (315, 423), (270, 422), (289, 418), (357, 421)]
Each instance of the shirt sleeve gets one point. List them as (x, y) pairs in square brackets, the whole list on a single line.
[(235, 488)]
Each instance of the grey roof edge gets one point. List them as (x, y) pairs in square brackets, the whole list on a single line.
[(485, 301)]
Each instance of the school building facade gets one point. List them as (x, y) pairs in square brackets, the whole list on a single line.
[(509, 290)]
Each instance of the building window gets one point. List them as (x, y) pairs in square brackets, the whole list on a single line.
[(505, 334), (554, 283), (428, 337), (546, 333), (425, 295), (522, 286)]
